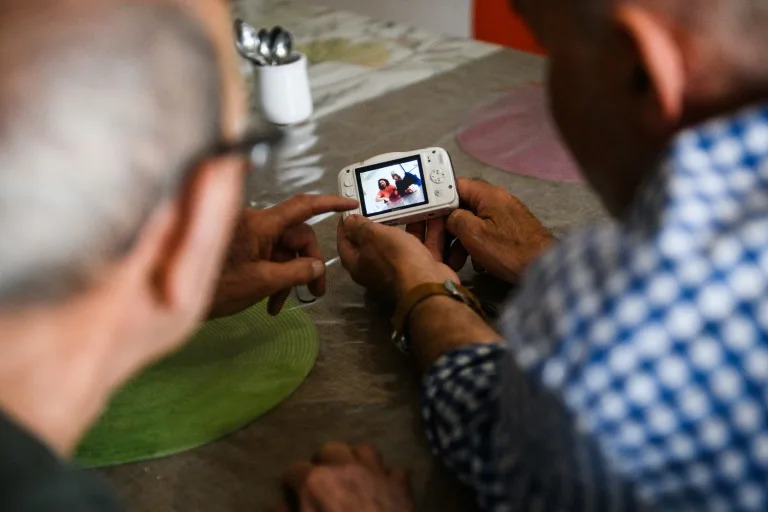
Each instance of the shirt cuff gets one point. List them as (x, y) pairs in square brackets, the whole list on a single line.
[(460, 410)]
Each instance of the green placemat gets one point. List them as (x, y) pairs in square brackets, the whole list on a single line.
[(232, 371)]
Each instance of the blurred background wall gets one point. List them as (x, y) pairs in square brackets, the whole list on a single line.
[(487, 20), (444, 16)]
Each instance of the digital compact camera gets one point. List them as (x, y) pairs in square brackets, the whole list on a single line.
[(402, 188)]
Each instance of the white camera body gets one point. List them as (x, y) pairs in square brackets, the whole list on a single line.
[(426, 187)]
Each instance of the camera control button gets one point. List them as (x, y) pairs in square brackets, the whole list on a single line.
[(437, 176), (349, 193), (439, 192), (348, 181)]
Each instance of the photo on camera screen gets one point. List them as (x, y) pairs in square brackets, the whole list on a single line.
[(391, 186)]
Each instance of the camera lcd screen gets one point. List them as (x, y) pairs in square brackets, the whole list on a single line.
[(391, 186)]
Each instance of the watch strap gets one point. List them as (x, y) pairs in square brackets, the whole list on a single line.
[(419, 294)]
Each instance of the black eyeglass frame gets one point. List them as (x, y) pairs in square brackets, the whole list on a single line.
[(245, 145)]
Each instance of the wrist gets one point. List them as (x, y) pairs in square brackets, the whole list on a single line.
[(408, 280), (439, 325)]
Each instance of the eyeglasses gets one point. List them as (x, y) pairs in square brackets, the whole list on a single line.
[(248, 144), (257, 146)]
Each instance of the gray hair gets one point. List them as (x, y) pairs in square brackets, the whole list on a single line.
[(100, 113)]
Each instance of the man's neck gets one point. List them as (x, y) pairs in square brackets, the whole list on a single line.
[(58, 369), (727, 74)]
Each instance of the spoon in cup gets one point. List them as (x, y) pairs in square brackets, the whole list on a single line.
[(247, 42)]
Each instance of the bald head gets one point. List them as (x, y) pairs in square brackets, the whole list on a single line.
[(102, 106)]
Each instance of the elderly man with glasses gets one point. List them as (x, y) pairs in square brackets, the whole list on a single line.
[(122, 161)]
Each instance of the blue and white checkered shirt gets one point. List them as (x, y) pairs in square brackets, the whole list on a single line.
[(635, 374)]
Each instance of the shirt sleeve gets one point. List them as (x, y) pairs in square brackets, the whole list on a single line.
[(537, 461), (34, 479)]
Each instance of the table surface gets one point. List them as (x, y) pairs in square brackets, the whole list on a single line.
[(362, 389), (354, 58)]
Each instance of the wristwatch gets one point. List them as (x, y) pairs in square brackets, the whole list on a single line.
[(418, 295)]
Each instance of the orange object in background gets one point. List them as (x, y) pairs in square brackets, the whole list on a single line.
[(496, 22)]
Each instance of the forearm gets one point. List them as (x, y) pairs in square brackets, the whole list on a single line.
[(505, 436), (513, 443), (441, 324)]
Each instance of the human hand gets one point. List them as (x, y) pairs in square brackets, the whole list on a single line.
[(386, 259), (343, 478), (500, 234), (272, 251)]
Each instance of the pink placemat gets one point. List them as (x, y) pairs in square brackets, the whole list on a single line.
[(516, 134)]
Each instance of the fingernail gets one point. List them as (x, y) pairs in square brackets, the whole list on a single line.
[(318, 268)]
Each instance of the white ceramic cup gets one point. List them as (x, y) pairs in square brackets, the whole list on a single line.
[(286, 97)]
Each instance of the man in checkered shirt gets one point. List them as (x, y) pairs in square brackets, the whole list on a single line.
[(632, 372)]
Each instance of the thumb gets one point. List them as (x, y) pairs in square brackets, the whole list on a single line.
[(465, 225), (276, 277), (356, 227)]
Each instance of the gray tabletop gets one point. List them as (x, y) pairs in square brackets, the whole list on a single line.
[(362, 389)]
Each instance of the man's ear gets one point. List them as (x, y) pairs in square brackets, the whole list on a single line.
[(661, 63), (197, 239)]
